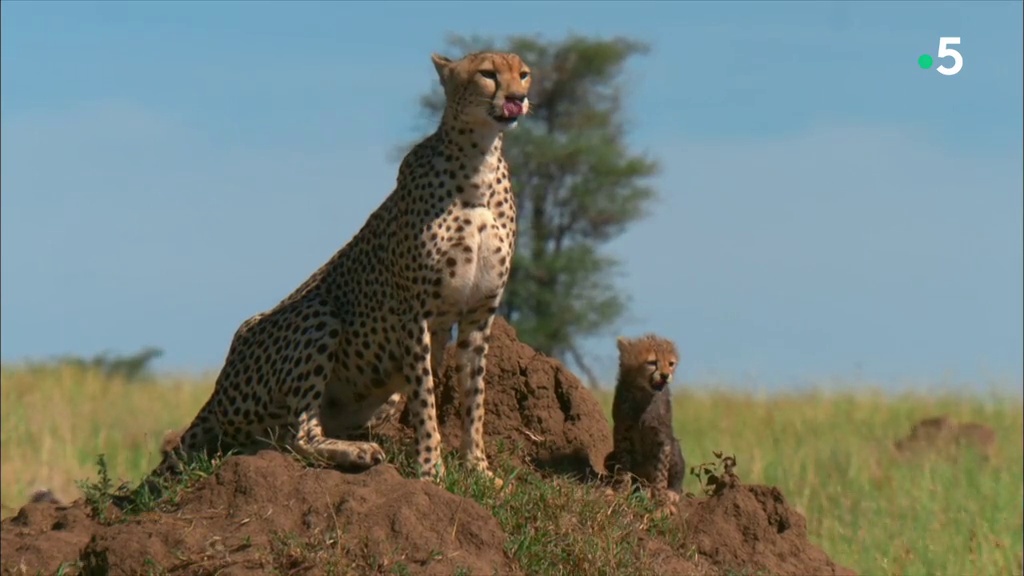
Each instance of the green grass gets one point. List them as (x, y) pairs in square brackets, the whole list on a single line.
[(576, 530), (830, 454), (868, 508)]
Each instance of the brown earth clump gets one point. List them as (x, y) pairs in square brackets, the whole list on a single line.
[(750, 530), (269, 513), (944, 435)]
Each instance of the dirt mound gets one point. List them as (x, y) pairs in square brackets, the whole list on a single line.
[(751, 529), (942, 434), (268, 512), (532, 401)]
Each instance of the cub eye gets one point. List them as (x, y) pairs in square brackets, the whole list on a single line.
[(652, 363), (524, 75), (671, 363), (489, 74)]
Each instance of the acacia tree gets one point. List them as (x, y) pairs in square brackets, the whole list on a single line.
[(576, 184)]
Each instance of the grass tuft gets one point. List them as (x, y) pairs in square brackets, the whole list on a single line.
[(110, 504), (554, 525)]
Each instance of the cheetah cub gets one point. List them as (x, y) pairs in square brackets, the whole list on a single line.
[(644, 445)]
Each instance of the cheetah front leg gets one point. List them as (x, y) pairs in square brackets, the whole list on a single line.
[(677, 468), (439, 339), (661, 488), (422, 409), (619, 463), (471, 364), (309, 439)]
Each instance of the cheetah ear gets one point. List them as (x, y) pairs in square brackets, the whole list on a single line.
[(443, 65), (621, 342)]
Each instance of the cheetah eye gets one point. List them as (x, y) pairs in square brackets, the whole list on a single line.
[(524, 75), (652, 363), (672, 364), (489, 74)]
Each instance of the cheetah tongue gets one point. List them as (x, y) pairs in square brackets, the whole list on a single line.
[(512, 109)]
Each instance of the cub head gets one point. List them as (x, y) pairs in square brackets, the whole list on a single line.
[(486, 89), (647, 361), (170, 442)]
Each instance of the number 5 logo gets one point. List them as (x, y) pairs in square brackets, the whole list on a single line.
[(945, 50)]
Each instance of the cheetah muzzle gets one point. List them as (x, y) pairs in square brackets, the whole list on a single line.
[(510, 111)]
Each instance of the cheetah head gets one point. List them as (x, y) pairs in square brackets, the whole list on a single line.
[(486, 89), (171, 441), (648, 360)]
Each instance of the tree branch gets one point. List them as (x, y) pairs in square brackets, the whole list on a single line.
[(577, 358)]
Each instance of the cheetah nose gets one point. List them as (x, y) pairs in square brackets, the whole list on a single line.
[(664, 376), (515, 97)]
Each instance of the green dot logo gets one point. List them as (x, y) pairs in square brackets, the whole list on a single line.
[(924, 61)]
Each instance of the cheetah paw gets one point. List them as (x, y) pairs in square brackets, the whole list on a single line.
[(482, 467), (667, 502), (371, 455), (666, 511), (498, 482)]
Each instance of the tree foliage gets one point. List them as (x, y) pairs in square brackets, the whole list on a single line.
[(132, 368), (577, 187)]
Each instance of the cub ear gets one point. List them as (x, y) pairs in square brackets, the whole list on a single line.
[(622, 343), (443, 65)]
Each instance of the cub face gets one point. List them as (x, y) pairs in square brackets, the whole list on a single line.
[(647, 361), (486, 89)]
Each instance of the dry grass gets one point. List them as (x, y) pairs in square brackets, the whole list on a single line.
[(56, 421), (831, 455)]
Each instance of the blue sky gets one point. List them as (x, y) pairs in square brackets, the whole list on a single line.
[(828, 209)]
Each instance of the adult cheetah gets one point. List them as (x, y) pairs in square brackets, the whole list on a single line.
[(372, 324)]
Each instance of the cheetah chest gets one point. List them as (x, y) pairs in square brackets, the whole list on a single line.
[(474, 259)]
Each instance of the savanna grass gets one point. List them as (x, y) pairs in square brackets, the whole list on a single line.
[(831, 455)]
